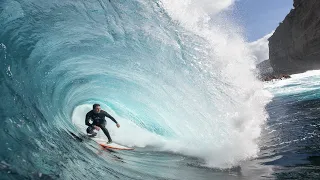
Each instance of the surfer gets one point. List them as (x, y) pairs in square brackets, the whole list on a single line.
[(98, 121)]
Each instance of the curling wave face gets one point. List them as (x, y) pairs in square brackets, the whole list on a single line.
[(177, 83)]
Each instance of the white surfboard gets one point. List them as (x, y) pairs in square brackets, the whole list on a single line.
[(112, 145)]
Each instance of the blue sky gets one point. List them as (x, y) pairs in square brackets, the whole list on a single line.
[(260, 17)]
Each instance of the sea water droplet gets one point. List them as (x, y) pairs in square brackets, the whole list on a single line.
[(5, 50), (9, 73)]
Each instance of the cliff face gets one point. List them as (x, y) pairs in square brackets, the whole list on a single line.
[(265, 68), (295, 45)]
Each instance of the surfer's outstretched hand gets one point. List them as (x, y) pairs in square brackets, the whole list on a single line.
[(118, 125)]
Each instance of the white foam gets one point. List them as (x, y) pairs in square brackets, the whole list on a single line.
[(298, 83), (228, 134)]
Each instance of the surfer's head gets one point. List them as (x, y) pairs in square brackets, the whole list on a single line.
[(96, 108)]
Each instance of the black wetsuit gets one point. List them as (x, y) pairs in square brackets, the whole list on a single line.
[(99, 120)]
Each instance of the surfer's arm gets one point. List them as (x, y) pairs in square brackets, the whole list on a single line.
[(87, 120), (110, 117)]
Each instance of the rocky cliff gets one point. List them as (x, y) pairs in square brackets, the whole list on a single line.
[(295, 45), (265, 68)]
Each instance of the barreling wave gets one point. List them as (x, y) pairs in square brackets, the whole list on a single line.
[(174, 75)]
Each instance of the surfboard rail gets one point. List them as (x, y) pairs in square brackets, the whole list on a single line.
[(112, 145)]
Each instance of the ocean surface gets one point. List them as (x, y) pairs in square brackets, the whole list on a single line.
[(178, 76)]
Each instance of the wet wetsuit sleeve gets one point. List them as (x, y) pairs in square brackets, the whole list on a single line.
[(88, 119), (109, 116)]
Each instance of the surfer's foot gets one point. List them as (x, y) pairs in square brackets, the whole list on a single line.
[(92, 134), (109, 142)]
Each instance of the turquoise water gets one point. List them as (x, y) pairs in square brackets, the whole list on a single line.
[(180, 83)]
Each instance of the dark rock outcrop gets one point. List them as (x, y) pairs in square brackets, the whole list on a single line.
[(295, 45), (275, 77), (266, 73), (265, 68)]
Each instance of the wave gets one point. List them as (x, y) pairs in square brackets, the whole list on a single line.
[(176, 75)]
